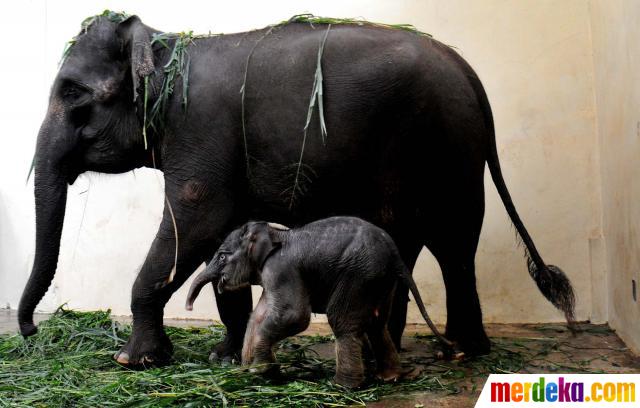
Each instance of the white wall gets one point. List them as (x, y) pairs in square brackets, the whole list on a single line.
[(616, 59), (535, 60)]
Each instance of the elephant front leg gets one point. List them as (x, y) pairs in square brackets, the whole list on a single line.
[(235, 309), (260, 338), (148, 344), (349, 365)]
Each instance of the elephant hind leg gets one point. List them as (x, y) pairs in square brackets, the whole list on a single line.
[(349, 315), (453, 244), (464, 315), (387, 360)]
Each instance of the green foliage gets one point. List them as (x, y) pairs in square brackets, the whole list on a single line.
[(242, 94), (69, 363), (113, 16), (176, 66), (312, 19), (33, 166), (316, 95)]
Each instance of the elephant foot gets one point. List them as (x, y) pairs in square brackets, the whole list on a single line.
[(474, 347), (389, 375), (267, 370), (349, 381), (141, 352), (467, 345), (450, 355), (227, 351)]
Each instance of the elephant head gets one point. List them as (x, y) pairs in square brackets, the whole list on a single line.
[(94, 123), (239, 260)]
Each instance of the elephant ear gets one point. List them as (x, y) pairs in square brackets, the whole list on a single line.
[(136, 39), (262, 243)]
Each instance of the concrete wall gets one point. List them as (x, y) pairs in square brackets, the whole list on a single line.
[(616, 55), (535, 60)]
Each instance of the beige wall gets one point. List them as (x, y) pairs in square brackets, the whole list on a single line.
[(534, 58), (616, 54)]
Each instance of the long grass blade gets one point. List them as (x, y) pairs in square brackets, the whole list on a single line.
[(31, 168), (316, 95), (243, 90)]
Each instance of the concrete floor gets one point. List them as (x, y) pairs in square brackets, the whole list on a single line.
[(595, 348)]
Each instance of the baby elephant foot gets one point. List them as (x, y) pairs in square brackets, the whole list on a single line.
[(267, 370), (349, 381)]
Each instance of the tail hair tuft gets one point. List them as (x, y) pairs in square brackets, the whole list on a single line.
[(556, 287)]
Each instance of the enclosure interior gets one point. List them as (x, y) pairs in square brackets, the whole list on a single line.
[(562, 79)]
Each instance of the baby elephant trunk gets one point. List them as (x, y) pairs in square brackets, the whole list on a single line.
[(206, 276)]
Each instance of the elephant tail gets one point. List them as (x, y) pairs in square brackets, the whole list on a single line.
[(551, 280), (407, 279)]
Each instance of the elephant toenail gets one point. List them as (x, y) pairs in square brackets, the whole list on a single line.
[(122, 358), (459, 356)]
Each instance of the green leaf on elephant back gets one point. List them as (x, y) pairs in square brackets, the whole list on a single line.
[(177, 66), (113, 16), (313, 19)]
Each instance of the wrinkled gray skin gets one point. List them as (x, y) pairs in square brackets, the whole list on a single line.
[(409, 132), (342, 266)]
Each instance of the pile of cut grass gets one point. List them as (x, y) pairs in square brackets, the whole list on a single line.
[(69, 363)]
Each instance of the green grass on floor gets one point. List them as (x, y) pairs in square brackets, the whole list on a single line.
[(69, 363)]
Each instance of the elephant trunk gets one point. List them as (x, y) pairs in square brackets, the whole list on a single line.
[(51, 178), (206, 276)]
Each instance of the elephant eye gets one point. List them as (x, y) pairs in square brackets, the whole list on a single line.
[(71, 93), (75, 94), (222, 257)]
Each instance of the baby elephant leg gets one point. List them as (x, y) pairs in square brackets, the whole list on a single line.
[(256, 350), (349, 316), (266, 328), (387, 359), (388, 362), (349, 365)]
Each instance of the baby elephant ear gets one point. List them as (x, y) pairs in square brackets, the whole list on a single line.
[(262, 243), (136, 38)]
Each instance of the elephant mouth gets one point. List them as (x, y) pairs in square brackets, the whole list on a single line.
[(221, 284), (225, 286)]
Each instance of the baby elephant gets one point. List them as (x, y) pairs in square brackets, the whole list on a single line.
[(342, 266)]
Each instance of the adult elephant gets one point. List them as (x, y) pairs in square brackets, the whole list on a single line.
[(408, 132)]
